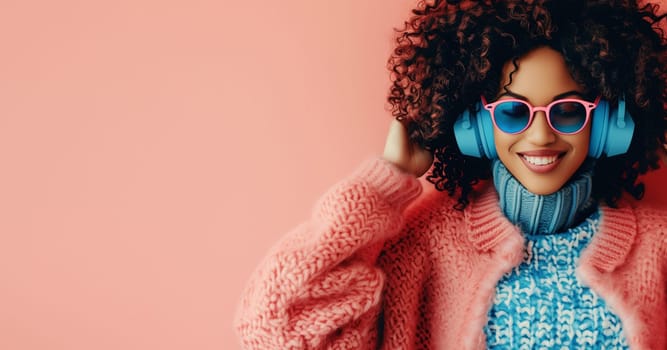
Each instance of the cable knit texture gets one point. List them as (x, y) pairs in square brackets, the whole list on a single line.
[(373, 268), (541, 304)]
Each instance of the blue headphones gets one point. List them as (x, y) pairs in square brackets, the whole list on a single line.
[(611, 131)]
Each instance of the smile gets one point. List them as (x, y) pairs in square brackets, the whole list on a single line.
[(541, 161)]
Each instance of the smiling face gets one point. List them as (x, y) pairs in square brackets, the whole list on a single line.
[(540, 158)]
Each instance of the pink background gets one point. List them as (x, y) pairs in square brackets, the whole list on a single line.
[(152, 151)]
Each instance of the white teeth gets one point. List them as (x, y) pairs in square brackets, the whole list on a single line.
[(540, 160)]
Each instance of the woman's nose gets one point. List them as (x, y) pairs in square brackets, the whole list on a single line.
[(539, 132)]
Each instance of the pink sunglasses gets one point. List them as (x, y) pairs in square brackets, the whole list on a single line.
[(565, 116)]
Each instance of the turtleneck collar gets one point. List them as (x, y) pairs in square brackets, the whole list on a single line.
[(545, 214)]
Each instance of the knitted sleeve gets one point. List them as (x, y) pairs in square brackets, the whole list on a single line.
[(320, 287)]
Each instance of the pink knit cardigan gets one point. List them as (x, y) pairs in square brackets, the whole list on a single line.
[(368, 271)]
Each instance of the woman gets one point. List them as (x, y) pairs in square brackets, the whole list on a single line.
[(535, 118)]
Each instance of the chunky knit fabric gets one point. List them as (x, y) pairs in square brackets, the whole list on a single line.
[(367, 271), (541, 304)]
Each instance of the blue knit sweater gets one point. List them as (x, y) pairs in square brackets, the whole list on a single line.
[(540, 304)]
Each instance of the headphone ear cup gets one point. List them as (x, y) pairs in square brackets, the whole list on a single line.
[(474, 133), (611, 130)]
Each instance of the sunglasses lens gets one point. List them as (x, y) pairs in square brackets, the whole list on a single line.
[(512, 116), (568, 117)]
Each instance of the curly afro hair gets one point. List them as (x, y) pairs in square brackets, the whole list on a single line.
[(451, 52)]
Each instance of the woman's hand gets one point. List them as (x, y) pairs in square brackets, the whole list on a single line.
[(407, 156)]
